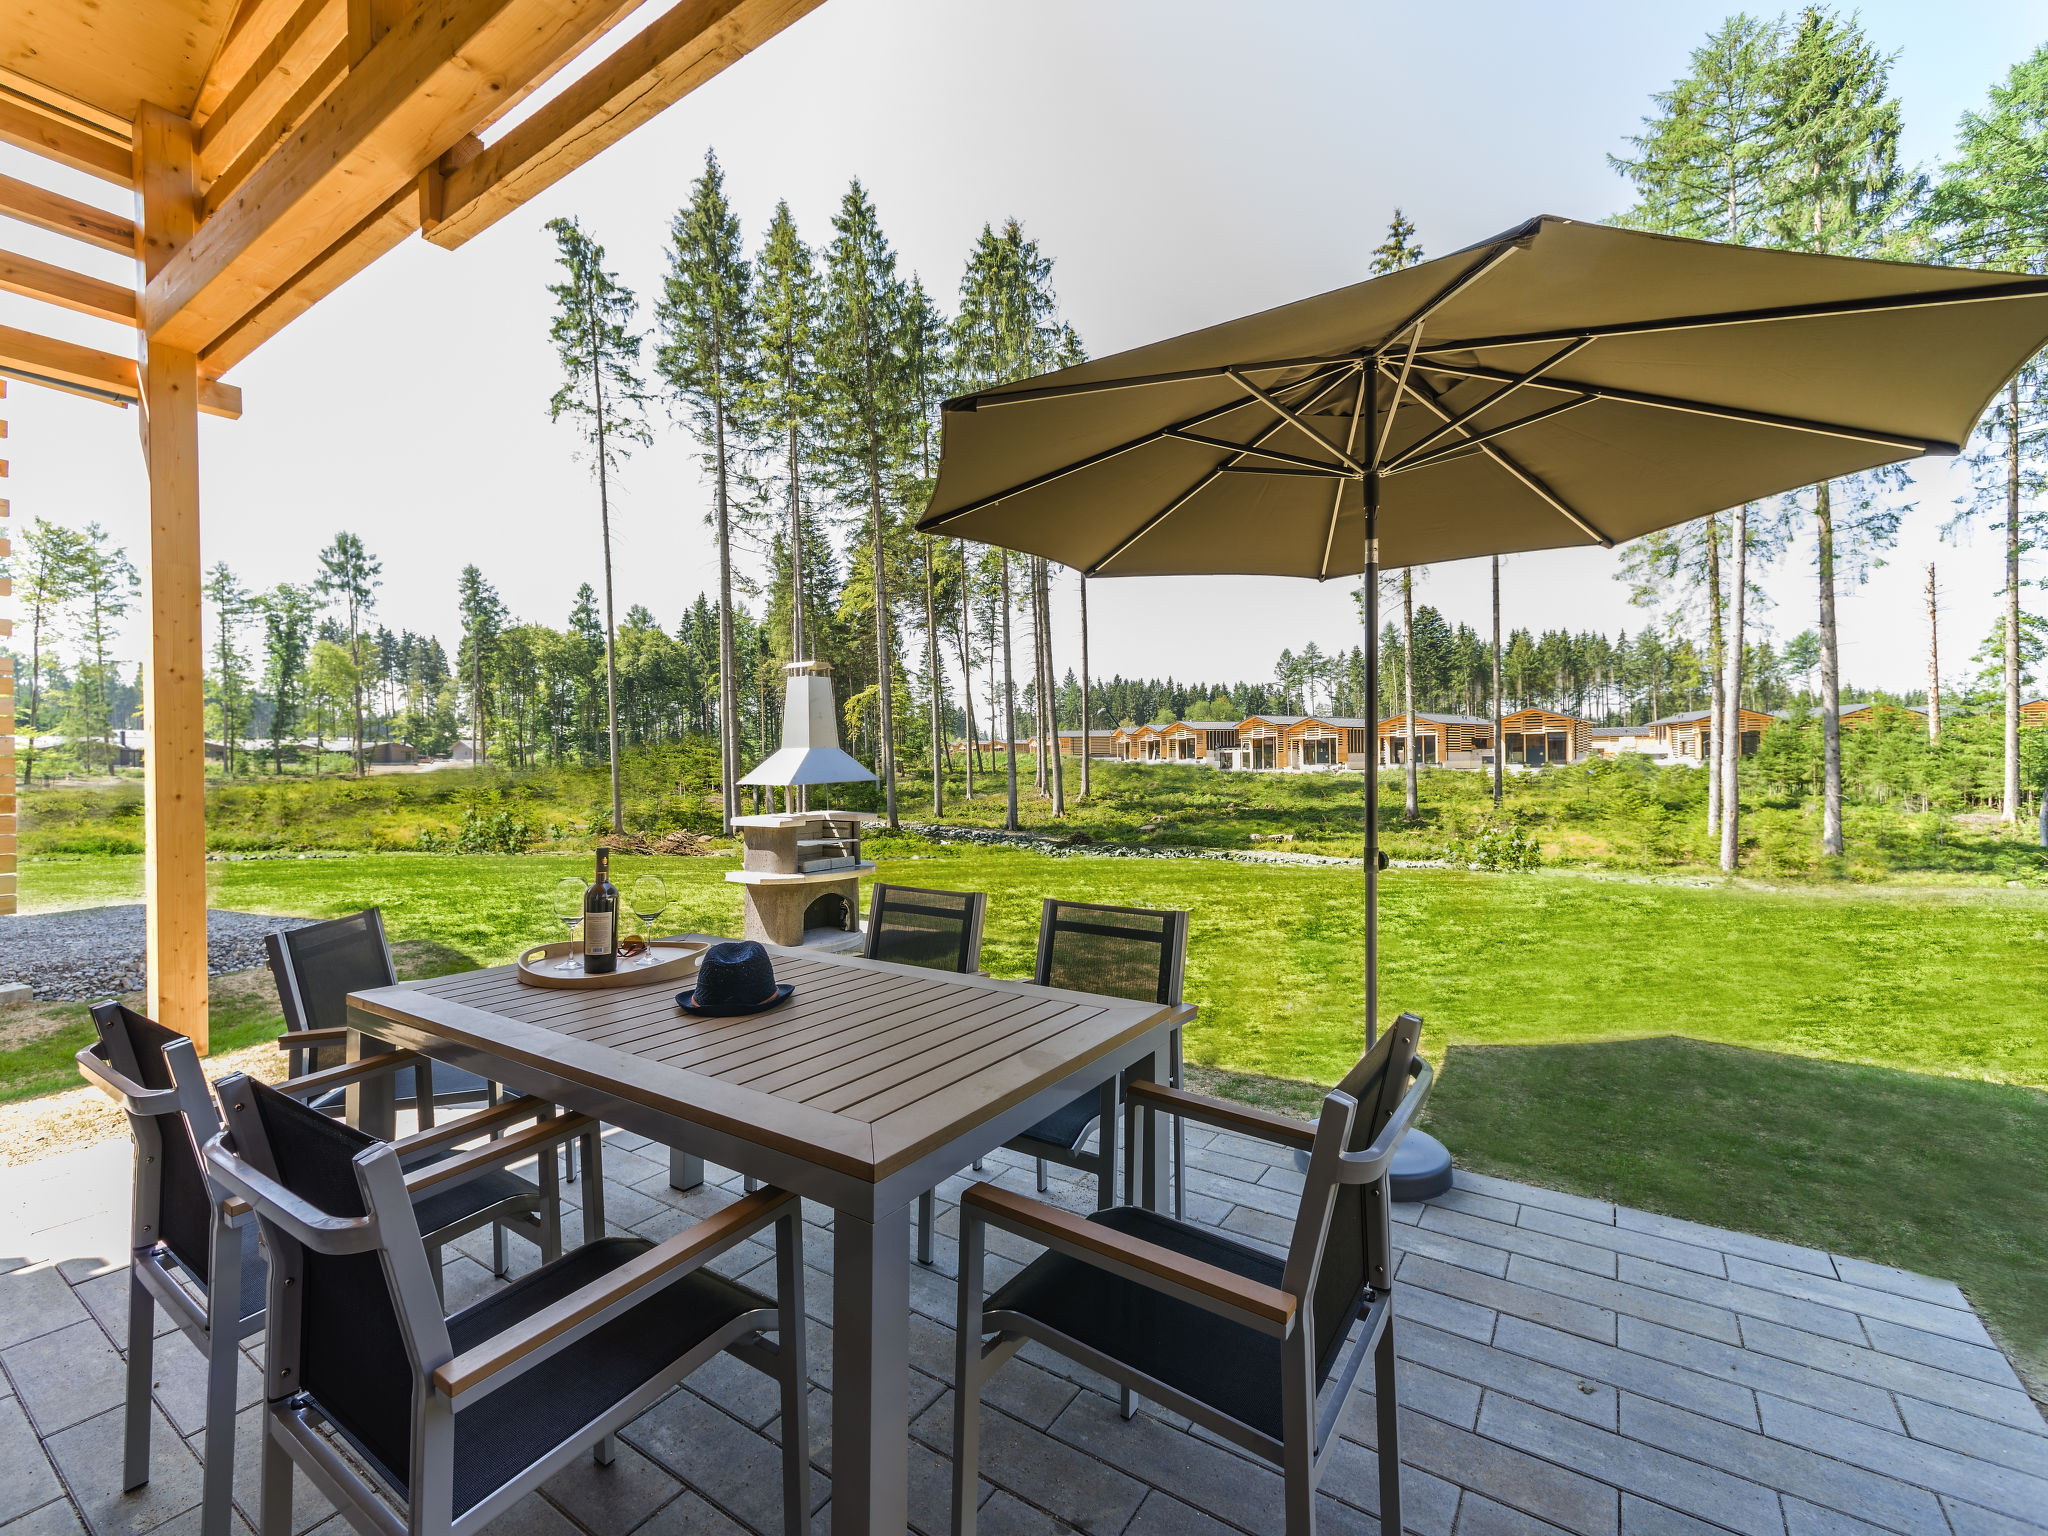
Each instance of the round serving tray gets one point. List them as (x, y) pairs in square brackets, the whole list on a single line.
[(665, 960)]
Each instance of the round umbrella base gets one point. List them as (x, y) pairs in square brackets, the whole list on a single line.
[(1422, 1168)]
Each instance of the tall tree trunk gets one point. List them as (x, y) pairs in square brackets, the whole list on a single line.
[(611, 669), (728, 700), (1500, 746), (1731, 742), (1059, 776), (1717, 659), (1087, 715), (886, 758), (2012, 601), (1009, 699), (1933, 664), (1830, 678), (796, 554), (1411, 807), (966, 678), (931, 650), (1038, 776)]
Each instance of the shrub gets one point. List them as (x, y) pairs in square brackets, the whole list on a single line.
[(1501, 846), (501, 832)]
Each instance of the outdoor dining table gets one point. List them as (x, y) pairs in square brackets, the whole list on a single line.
[(872, 1083)]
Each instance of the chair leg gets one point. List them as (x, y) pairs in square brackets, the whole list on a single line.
[(1127, 1403), (593, 1185), (141, 1368), (218, 1493), (792, 1350), (569, 1164), (275, 1517), (499, 1266), (977, 1165), (925, 1204), (1298, 1438), (606, 1451), (1041, 1175), (1389, 1413), (967, 1374), (434, 1258)]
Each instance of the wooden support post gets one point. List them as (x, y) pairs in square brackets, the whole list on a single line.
[(174, 782), (7, 843)]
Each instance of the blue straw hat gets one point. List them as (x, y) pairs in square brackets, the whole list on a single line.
[(734, 978)]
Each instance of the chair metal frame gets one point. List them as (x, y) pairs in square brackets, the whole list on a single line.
[(199, 1311), (879, 897), (443, 1382), (1309, 1414), (1102, 1161)]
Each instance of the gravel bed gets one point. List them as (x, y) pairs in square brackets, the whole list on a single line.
[(96, 952)]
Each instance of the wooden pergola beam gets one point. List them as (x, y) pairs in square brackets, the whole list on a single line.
[(309, 35), (66, 143), (63, 215), (417, 92), (658, 66), (99, 375), (251, 35), (53, 284)]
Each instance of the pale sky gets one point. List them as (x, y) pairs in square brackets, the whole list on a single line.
[(1181, 166)]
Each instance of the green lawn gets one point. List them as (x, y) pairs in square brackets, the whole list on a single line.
[(1860, 1069)]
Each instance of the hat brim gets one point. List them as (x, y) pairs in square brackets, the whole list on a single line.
[(687, 1001)]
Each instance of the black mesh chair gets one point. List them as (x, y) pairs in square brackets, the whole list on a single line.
[(195, 1253), (939, 931), (316, 967), (1131, 952), (409, 1422), (1259, 1351)]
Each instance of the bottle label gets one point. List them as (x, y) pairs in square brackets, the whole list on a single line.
[(597, 933)]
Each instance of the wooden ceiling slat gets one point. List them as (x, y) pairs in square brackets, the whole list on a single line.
[(43, 135), (250, 37), (53, 284), (87, 370), (63, 215), (263, 141)]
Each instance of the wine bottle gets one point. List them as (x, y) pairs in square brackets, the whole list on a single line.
[(601, 920)]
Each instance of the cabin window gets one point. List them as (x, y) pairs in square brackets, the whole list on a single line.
[(1262, 752), (1318, 751), (1560, 747)]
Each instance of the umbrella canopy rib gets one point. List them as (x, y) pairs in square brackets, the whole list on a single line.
[(1519, 382), (993, 398), (1295, 421), (1419, 389), (1478, 440), (2020, 288), (1116, 450), (1502, 250), (1265, 453), (1358, 413), (1591, 391)]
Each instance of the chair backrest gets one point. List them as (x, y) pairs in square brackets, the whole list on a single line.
[(1341, 1235), (939, 930), (1132, 952), (316, 967), (173, 1202), (355, 1321)]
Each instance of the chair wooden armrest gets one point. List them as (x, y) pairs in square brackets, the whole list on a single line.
[(1221, 1113), (307, 1039), (1264, 1307), (502, 1357), (492, 1154), (348, 1072), (465, 1126)]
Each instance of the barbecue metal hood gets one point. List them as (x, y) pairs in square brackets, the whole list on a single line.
[(810, 752)]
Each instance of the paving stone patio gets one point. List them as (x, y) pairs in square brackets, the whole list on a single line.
[(1566, 1366)]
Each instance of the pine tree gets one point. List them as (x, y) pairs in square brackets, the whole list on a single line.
[(50, 572), (233, 603), (1398, 250), (483, 619), (783, 393), (601, 392), (1990, 208), (288, 613), (348, 572), (707, 358), (107, 586), (926, 366), (865, 408)]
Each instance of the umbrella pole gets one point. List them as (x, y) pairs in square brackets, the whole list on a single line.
[(1372, 692)]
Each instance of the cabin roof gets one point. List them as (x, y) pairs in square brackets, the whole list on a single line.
[(1435, 718)]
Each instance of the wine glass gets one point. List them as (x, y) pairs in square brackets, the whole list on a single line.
[(647, 895), (567, 901)]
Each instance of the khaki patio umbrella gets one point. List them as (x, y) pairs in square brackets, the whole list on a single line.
[(1562, 384)]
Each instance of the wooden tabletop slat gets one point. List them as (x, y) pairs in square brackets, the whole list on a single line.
[(866, 1066)]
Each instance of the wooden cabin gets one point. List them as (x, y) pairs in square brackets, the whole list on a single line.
[(1136, 743), (1258, 739), (1688, 737), (2034, 712), (1856, 717), (1321, 741), (1611, 741), (1533, 738), (1441, 740), (1100, 743), (1210, 742)]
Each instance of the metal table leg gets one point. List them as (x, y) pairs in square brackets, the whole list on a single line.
[(685, 1169), (371, 1106), (870, 1374)]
